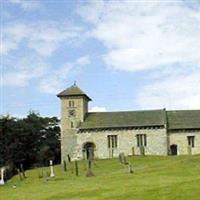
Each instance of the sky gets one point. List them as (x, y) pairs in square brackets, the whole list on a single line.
[(125, 55)]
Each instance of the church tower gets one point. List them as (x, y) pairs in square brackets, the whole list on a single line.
[(74, 107)]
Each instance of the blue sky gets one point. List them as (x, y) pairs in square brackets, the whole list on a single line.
[(126, 55)]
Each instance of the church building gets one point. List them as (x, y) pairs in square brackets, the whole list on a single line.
[(146, 132)]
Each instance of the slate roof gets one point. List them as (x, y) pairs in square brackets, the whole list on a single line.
[(188, 119), (124, 119), (74, 90), (183, 119)]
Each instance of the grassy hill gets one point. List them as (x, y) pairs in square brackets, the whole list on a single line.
[(155, 178)]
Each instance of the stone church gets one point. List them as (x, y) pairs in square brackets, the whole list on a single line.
[(146, 132)]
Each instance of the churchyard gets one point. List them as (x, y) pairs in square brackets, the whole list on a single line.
[(151, 178)]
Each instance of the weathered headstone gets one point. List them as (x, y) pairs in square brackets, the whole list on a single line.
[(2, 176), (40, 172), (22, 170), (69, 158), (122, 158), (130, 167), (90, 158), (65, 165), (76, 167), (51, 169)]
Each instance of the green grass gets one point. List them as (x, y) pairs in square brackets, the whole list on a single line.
[(155, 178)]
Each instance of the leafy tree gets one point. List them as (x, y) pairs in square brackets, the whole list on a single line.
[(32, 140)]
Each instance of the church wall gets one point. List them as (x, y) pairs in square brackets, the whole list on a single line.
[(179, 138), (127, 142), (68, 144)]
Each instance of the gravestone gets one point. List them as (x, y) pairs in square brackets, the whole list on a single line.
[(22, 170), (51, 169), (69, 158), (90, 158), (65, 165), (76, 167), (2, 176), (130, 167), (122, 158)]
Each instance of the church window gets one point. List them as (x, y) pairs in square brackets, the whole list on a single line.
[(141, 140), (71, 103), (112, 141), (191, 141)]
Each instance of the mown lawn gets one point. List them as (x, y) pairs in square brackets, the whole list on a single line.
[(155, 178)]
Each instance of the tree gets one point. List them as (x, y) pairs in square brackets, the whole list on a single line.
[(29, 140)]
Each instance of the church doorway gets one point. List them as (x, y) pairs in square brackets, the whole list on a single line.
[(88, 150), (173, 149)]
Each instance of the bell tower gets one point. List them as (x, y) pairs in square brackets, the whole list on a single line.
[(74, 107)]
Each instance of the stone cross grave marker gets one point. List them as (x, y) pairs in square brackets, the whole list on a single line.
[(51, 169), (2, 176)]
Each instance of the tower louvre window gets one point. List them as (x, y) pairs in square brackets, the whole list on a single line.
[(71, 104)]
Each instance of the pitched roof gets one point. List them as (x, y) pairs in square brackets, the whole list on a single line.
[(183, 119), (124, 119), (74, 90)]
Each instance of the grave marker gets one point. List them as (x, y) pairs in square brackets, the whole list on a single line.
[(90, 158), (122, 158), (2, 176), (130, 167), (22, 170), (76, 167), (65, 165), (51, 169)]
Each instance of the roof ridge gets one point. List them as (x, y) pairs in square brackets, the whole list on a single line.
[(131, 111)]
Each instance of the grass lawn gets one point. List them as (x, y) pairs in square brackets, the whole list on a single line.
[(155, 178)]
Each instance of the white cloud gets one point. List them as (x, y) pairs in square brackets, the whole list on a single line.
[(173, 89), (159, 38), (144, 35), (97, 109), (56, 79), (27, 5), (19, 72), (44, 37), (85, 60)]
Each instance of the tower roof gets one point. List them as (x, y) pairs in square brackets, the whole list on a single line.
[(74, 90)]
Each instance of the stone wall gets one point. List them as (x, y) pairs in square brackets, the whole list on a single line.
[(179, 138), (68, 134), (127, 142)]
